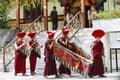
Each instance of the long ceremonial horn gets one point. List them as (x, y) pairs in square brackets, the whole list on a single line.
[(82, 57), (71, 52)]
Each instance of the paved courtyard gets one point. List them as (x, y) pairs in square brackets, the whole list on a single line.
[(40, 69), (39, 76)]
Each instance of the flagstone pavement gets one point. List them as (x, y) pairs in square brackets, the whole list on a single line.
[(39, 76)]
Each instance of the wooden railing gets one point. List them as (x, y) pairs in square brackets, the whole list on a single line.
[(74, 24), (8, 56), (7, 51)]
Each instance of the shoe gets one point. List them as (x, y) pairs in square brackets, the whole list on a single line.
[(45, 76), (61, 74), (90, 76), (33, 73), (57, 76), (69, 75), (23, 74), (102, 76), (15, 74)]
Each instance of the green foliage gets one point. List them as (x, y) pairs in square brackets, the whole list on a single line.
[(7, 5), (4, 8), (108, 14), (29, 4)]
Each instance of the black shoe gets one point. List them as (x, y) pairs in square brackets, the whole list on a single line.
[(90, 76), (102, 76), (23, 74), (61, 74), (15, 74), (33, 73), (45, 76), (69, 75), (57, 76)]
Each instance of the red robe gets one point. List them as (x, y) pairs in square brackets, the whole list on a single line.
[(63, 69), (33, 58), (20, 60), (97, 66), (50, 64)]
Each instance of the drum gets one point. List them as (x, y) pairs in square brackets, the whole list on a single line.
[(25, 50), (37, 50)]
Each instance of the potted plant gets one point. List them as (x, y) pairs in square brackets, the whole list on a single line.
[(109, 20)]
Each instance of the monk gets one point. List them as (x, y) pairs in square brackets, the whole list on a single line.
[(97, 68), (64, 40), (20, 57), (33, 55), (50, 64)]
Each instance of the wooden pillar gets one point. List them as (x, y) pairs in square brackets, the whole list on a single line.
[(18, 15), (3, 53), (31, 19), (45, 15), (83, 13)]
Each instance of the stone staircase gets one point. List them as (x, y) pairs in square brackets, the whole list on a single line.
[(82, 38), (9, 36)]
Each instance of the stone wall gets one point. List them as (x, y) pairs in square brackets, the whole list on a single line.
[(6, 35)]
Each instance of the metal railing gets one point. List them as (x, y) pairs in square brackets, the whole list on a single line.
[(8, 50)]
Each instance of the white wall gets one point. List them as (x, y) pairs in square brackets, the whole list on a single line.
[(12, 14), (58, 7), (115, 40)]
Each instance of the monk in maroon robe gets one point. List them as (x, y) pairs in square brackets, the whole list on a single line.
[(64, 40), (50, 64), (33, 54), (97, 67), (20, 58)]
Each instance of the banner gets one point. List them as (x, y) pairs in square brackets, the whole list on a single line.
[(67, 58)]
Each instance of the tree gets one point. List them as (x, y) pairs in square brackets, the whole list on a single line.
[(4, 9), (27, 3), (7, 5)]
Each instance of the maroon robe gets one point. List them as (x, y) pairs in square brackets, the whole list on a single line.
[(20, 60), (97, 67), (50, 64), (63, 69), (33, 58)]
